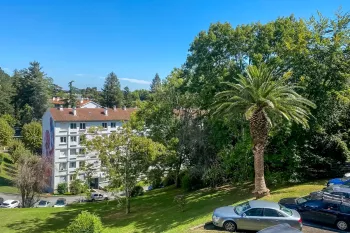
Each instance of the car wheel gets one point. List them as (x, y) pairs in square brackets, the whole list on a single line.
[(230, 226), (342, 225)]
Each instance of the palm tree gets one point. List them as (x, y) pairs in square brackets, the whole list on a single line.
[(262, 96)]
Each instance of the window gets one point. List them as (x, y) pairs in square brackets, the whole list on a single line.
[(72, 165), (73, 125), (242, 207), (104, 125), (73, 152), (63, 140), (113, 125), (63, 179), (73, 138), (82, 126), (63, 153), (82, 151), (272, 213), (82, 164), (71, 177), (331, 206), (63, 166), (254, 212)]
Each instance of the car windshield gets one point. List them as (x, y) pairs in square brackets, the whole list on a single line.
[(344, 179), (242, 208), (5, 203), (302, 200), (42, 203), (60, 202), (286, 210)]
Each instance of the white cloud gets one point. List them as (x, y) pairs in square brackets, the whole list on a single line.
[(79, 74), (139, 81), (6, 69)]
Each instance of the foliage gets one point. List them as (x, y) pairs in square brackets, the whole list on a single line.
[(180, 201), (168, 180), (9, 119), (77, 186), (6, 93), (17, 149), (26, 114), (31, 178), (154, 177), (137, 191), (6, 132), (126, 155), (156, 83), (32, 136), (111, 93), (85, 222), (62, 188)]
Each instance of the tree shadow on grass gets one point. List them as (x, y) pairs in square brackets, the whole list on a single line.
[(153, 212)]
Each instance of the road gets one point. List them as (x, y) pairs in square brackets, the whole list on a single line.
[(52, 199), (308, 228)]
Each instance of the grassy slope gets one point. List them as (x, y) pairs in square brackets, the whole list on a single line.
[(153, 212), (6, 173)]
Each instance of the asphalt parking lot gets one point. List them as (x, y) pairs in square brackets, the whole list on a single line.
[(308, 228)]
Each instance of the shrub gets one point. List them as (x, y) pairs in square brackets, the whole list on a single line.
[(137, 191), (77, 186), (17, 150), (168, 180), (62, 188), (6, 132), (32, 136), (192, 180), (154, 176), (180, 200), (85, 222)]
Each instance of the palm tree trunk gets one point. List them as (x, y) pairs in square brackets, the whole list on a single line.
[(259, 131)]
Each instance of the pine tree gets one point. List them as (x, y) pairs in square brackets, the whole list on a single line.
[(72, 100), (127, 97), (111, 92), (156, 83), (6, 93)]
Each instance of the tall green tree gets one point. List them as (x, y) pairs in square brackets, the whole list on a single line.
[(262, 95), (6, 93), (72, 100), (111, 93), (6, 132), (26, 114), (156, 83), (32, 137), (126, 156), (128, 98)]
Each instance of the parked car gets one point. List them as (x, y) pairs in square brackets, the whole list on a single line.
[(98, 197), (61, 202), (1, 200), (255, 215), (10, 204), (42, 204), (282, 228), (340, 181), (343, 190), (329, 211)]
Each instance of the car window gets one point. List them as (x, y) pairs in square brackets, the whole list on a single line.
[(100, 195), (5, 203), (330, 206), (314, 204), (254, 212), (302, 200), (13, 202), (95, 195), (242, 207), (272, 213), (42, 203), (286, 210), (344, 209)]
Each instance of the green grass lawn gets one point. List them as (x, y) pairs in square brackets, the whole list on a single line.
[(7, 172), (153, 212)]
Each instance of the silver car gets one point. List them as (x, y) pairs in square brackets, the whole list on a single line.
[(255, 216)]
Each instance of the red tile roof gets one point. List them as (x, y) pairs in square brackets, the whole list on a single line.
[(91, 114)]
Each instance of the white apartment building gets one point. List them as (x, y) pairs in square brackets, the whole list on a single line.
[(62, 131)]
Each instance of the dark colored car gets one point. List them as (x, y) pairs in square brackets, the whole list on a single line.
[(280, 228), (329, 212)]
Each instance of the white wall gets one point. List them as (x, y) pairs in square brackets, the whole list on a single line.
[(91, 105)]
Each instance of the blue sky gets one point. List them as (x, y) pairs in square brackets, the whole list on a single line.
[(84, 40)]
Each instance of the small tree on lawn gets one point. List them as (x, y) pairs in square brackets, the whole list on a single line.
[(30, 178), (32, 136), (126, 156)]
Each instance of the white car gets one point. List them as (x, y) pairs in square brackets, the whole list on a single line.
[(98, 197), (42, 204), (61, 202), (10, 204)]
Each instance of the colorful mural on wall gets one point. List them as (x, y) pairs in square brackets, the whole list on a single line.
[(49, 141)]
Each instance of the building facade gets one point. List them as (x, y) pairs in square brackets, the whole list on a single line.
[(63, 129)]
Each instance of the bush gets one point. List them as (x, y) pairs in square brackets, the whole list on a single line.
[(154, 176), (17, 149), (32, 136), (180, 200), (77, 186), (137, 191), (191, 180), (168, 180), (62, 188), (85, 222)]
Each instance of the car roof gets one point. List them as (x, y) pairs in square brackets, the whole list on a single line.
[(8, 201), (264, 204), (61, 199)]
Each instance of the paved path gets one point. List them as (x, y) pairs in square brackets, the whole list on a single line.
[(308, 228)]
